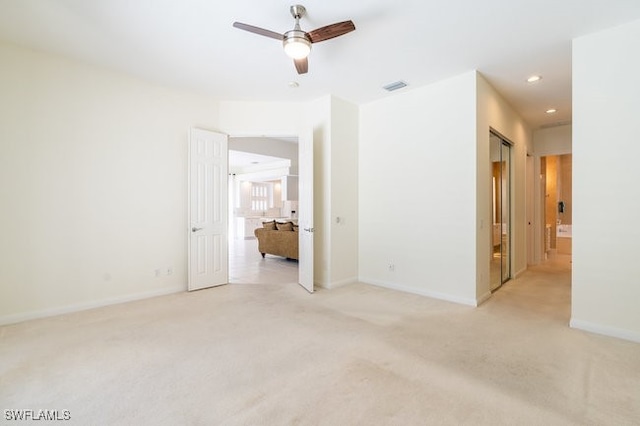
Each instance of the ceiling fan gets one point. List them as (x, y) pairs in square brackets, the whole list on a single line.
[(297, 43)]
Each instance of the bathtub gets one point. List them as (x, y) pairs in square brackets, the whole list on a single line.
[(563, 238)]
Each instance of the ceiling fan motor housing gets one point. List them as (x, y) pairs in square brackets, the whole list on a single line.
[(296, 43)]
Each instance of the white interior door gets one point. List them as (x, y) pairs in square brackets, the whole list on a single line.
[(208, 216), (305, 207)]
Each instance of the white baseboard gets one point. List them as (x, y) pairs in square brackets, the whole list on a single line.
[(421, 292), (618, 333), (49, 312), (320, 285), (336, 284)]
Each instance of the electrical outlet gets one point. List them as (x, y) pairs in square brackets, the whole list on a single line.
[(392, 267)]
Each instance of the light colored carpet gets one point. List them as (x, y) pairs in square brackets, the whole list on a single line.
[(357, 355)]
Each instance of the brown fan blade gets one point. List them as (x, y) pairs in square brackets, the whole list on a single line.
[(258, 30), (331, 31), (302, 65)]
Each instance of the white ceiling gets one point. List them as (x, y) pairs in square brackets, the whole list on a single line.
[(240, 161), (191, 44)]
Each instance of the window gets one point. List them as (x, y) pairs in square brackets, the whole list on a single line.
[(259, 196)]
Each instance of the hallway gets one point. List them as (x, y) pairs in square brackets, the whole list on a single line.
[(543, 290)]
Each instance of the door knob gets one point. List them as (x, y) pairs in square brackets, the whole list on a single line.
[(194, 229), (309, 229)]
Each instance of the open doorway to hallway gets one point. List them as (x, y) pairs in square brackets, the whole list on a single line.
[(557, 204), (549, 182), (263, 188)]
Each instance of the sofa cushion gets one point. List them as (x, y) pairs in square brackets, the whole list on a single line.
[(269, 225), (287, 226)]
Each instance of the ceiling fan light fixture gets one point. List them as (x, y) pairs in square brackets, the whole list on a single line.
[(296, 44)]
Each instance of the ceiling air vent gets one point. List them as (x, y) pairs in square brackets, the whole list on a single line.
[(394, 86)]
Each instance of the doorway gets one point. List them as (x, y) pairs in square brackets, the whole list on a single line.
[(208, 199), (500, 261), (263, 188), (557, 205)]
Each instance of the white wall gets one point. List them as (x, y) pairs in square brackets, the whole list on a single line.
[(93, 170), (425, 188), (552, 141), (344, 192), (319, 118), (493, 112), (417, 180), (606, 194), (271, 119)]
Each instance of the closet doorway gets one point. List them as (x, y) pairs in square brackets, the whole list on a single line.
[(500, 262)]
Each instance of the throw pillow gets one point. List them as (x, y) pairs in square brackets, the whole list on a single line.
[(287, 226), (271, 226), (295, 228)]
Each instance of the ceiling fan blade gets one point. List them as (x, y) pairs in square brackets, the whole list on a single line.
[(331, 31), (302, 65), (258, 30)]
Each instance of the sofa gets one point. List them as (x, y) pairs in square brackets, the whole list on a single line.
[(278, 239)]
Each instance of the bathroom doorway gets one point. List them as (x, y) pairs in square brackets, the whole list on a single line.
[(500, 262), (557, 204)]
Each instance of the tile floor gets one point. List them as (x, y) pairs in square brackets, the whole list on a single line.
[(246, 265)]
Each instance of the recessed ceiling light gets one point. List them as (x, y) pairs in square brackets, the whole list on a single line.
[(552, 111), (534, 78)]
